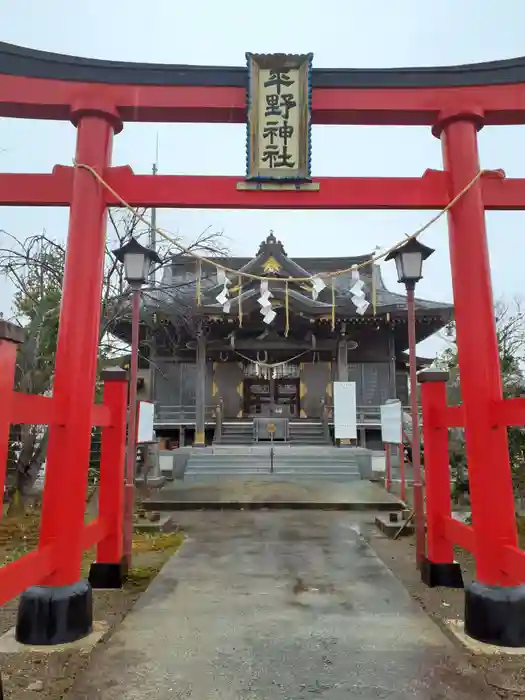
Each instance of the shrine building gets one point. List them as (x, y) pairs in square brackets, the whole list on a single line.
[(216, 366)]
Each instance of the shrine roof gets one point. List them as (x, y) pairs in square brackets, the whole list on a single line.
[(313, 265), (271, 253), (21, 61), (285, 265)]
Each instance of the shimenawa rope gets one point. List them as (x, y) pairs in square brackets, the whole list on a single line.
[(238, 273)]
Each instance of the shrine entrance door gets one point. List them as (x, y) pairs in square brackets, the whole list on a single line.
[(271, 397)]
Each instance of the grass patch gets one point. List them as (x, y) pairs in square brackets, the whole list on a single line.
[(520, 522), (140, 576), (150, 553), (19, 536), (14, 553), (157, 542)]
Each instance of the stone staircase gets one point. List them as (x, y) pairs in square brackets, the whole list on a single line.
[(300, 433), (237, 433), (289, 462), (307, 433)]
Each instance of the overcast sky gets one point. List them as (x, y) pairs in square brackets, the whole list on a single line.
[(340, 33)]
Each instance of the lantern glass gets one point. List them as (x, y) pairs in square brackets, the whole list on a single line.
[(136, 267), (409, 266)]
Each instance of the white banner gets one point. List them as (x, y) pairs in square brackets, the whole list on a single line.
[(145, 432), (392, 422), (345, 411)]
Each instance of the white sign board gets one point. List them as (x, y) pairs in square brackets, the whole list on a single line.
[(392, 422), (145, 432), (345, 411), (40, 479)]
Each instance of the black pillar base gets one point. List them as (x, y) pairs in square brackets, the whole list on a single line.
[(50, 615), (495, 614), (105, 576), (442, 575)]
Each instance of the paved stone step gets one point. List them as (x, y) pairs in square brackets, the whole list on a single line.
[(300, 461), (280, 448), (292, 459), (248, 439), (306, 429), (295, 478), (229, 459), (321, 472), (245, 439), (237, 429), (226, 472), (308, 441), (218, 466), (249, 435), (321, 478), (277, 467), (266, 467), (299, 434)]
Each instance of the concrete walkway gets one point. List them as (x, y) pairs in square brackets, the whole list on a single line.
[(273, 492), (277, 605)]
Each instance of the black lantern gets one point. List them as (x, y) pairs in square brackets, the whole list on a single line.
[(409, 261), (137, 261)]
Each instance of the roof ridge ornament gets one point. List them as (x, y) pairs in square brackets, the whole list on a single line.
[(271, 246)]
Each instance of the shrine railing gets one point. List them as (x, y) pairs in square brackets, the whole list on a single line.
[(367, 416), (182, 414), (44, 565), (443, 530)]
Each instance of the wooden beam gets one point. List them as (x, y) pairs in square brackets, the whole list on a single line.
[(217, 192), (46, 98)]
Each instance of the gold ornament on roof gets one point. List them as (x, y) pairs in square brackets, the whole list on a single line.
[(271, 266)]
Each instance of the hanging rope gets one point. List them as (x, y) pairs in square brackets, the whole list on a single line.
[(286, 311), (248, 275), (374, 289), (240, 305), (333, 305), (271, 365)]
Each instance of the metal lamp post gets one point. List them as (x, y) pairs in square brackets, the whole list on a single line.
[(137, 261), (409, 259)]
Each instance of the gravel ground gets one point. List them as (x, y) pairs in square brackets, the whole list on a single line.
[(504, 674), (50, 675)]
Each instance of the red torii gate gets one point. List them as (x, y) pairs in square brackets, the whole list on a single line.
[(99, 96)]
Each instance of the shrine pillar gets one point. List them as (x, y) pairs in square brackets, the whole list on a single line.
[(200, 391), (493, 514), (64, 605), (342, 360)]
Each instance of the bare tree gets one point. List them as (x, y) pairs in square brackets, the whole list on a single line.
[(35, 267), (510, 329)]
